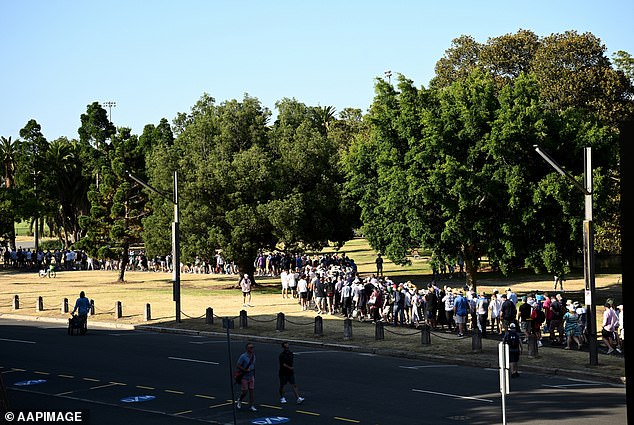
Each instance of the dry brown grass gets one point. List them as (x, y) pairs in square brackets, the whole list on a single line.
[(218, 292)]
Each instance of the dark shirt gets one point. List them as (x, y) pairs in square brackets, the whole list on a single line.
[(557, 310), (320, 289), (286, 358), (525, 311), (508, 310)]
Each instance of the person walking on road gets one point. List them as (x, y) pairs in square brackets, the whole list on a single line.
[(246, 366), (287, 374)]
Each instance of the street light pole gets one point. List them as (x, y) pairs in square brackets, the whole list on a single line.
[(176, 262), (588, 245)]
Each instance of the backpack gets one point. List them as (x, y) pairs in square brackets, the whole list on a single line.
[(513, 341)]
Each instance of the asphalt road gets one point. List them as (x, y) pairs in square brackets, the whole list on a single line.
[(116, 376)]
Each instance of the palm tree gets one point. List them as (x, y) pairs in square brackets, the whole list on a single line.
[(324, 116), (8, 151), (69, 188)]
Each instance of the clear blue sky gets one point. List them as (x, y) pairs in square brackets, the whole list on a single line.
[(155, 58)]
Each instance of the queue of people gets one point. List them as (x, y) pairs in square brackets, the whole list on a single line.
[(332, 289)]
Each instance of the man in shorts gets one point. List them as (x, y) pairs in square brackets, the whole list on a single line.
[(245, 285), (287, 373), (246, 365)]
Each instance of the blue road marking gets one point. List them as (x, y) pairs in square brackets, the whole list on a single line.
[(271, 420), (137, 398), (31, 382)]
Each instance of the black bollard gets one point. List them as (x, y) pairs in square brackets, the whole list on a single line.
[(209, 316), (280, 324), (118, 310), (347, 329), (148, 312), (379, 332), (425, 335), (16, 302), (243, 319), (65, 305), (39, 305), (533, 350), (476, 341), (319, 325)]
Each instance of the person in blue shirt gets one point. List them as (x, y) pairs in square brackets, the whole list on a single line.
[(82, 306), (461, 308), (246, 366)]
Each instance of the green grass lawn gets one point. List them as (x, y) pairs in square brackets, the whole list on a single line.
[(219, 292)]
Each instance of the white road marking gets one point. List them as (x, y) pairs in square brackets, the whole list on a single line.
[(192, 360), (463, 397), (572, 385), (315, 352), (428, 366), (18, 340)]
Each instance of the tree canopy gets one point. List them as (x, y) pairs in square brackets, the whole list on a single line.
[(452, 168)]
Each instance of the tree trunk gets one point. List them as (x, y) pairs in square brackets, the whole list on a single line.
[(247, 266), (472, 270)]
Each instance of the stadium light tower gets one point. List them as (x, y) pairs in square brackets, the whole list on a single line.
[(110, 105)]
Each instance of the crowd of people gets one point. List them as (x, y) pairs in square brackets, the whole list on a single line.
[(74, 259), (331, 286)]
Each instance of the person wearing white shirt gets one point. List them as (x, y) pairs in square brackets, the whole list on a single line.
[(302, 289), (284, 279)]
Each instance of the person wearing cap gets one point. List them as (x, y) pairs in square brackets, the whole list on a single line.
[(583, 321), (511, 296), (508, 312), (538, 317), (461, 308), (399, 305), (495, 305), (525, 311), (556, 320), (512, 339), (449, 299), (245, 285), (571, 327), (482, 310)]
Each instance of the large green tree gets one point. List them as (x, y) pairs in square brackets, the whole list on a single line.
[(117, 204), (246, 186), (453, 169)]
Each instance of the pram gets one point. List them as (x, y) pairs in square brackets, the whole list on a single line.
[(77, 325)]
